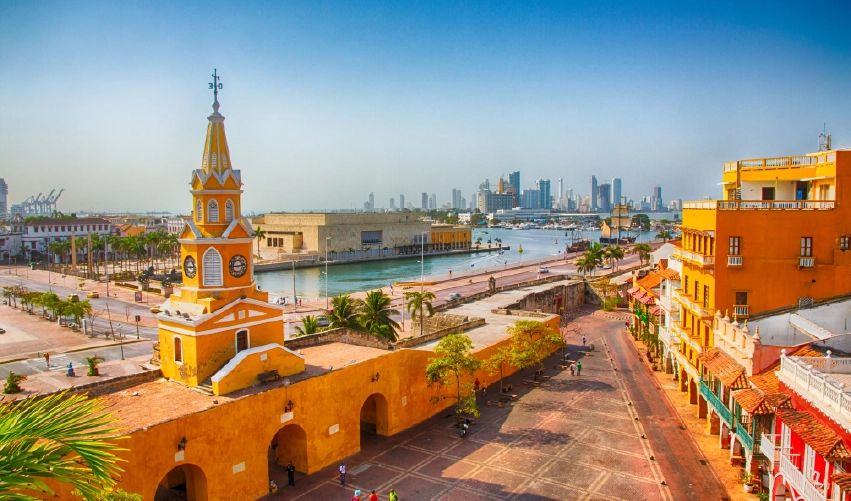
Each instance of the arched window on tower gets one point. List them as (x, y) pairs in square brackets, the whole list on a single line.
[(212, 268), (229, 211), (213, 211), (178, 349), (198, 215)]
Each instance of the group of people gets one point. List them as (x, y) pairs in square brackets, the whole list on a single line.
[(392, 496)]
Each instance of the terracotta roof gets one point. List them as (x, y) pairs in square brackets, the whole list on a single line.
[(647, 299), (766, 381), (752, 402), (843, 480), (632, 291), (808, 350), (724, 368), (822, 439), (655, 310)]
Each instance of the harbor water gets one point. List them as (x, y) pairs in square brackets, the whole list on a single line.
[(536, 243)]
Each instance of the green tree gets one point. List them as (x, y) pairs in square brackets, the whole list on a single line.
[(614, 253), (643, 251), (93, 362), (77, 310), (532, 342), (375, 315), (419, 302), (12, 386), (65, 438), (641, 221), (455, 366), (259, 234), (499, 362), (343, 312), (664, 236), (309, 325)]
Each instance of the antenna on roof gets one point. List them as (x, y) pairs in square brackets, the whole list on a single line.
[(824, 140)]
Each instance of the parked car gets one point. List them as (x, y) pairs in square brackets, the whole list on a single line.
[(74, 298), (323, 322), (543, 269), (454, 295), (155, 310), (2, 331), (93, 295)]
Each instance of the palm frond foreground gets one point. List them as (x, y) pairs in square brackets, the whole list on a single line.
[(67, 439)]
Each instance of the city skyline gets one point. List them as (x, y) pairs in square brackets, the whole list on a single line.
[(384, 100)]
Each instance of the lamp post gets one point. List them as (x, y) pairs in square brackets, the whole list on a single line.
[(422, 262), (326, 271)]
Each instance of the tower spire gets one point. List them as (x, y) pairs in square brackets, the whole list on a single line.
[(216, 86)]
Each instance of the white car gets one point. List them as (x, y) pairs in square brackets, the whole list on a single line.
[(543, 269), (454, 295)]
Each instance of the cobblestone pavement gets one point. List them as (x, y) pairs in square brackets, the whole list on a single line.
[(577, 438)]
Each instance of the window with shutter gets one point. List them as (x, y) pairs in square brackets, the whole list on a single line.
[(212, 268)]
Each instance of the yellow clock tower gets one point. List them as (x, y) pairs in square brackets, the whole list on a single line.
[(220, 326)]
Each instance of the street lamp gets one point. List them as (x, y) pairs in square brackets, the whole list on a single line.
[(326, 271), (422, 262)]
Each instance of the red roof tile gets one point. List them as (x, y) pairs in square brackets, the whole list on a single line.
[(647, 299), (822, 439), (724, 368), (632, 291), (843, 480)]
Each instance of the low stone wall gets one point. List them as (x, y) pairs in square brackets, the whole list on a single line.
[(521, 313), (116, 383), (341, 335), (439, 321), (431, 336)]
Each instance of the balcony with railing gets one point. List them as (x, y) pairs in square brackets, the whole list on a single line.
[(806, 262), (741, 310), (734, 261), (811, 377), (693, 257), (716, 404), (769, 445), (802, 205), (746, 439), (798, 480)]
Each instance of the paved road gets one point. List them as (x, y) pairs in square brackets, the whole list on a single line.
[(59, 362), (676, 452)]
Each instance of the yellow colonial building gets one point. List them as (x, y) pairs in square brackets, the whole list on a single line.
[(220, 330)]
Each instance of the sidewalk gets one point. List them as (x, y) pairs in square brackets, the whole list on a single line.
[(56, 378)]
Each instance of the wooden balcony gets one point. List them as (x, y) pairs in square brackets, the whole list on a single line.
[(806, 262), (734, 261), (741, 310)]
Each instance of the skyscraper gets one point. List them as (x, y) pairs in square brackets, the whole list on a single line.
[(432, 203), (401, 201), (560, 190), (4, 199), (604, 197), (530, 199), (592, 200), (392, 207), (425, 201), (514, 180), (457, 199), (543, 187), (657, 203), (371, 202), (616, 191)]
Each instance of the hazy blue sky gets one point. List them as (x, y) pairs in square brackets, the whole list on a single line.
[(327, 101)]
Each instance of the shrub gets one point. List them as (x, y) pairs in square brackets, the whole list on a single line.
[(610, 304), (12, 385)]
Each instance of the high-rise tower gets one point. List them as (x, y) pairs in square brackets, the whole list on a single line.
[(593, 197), (221, 325), (616, 191)]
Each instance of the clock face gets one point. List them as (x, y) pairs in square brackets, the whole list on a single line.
[(189, 268), (238, 266)]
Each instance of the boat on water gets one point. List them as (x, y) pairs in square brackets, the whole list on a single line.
[(520, 248)]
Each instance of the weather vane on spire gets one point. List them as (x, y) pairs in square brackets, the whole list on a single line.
[(215, 85)]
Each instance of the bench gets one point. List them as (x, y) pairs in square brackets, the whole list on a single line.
[(560, 367), (527, 382), (498, 403), (507, 388), (546, 378), (269, 376), (540, 372), (507, 396)]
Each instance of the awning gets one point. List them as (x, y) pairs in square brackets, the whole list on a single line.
[(632, 291), (816, 434), (655, 310), (724, 368), (640, 294), (843, 480), (647, 299), (817, 178)]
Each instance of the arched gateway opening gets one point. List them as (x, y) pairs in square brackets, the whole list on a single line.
[(184, 482), (373, 416), (288, 445)]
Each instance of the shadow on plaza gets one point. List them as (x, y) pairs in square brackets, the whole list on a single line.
[(430, 460)]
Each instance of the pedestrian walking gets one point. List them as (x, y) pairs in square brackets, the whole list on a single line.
[(578, 368), (47, 359), (484, 389), (476, 385), (583, 340), (450, 273), (393, 496), (572, 369), (343, 474), (391, 290), (356, 497), (291, 473), (373, 496), (273, 488)]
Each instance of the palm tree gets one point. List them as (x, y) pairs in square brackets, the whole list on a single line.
[(60, 438), (585, 265), (22, 251), (478, 242), (375, 315), (343, 312), (98, 247), (664, 236), (614, 253), (259, 234), (643, 251), (81, 245), (309, 325), (417, 301)]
